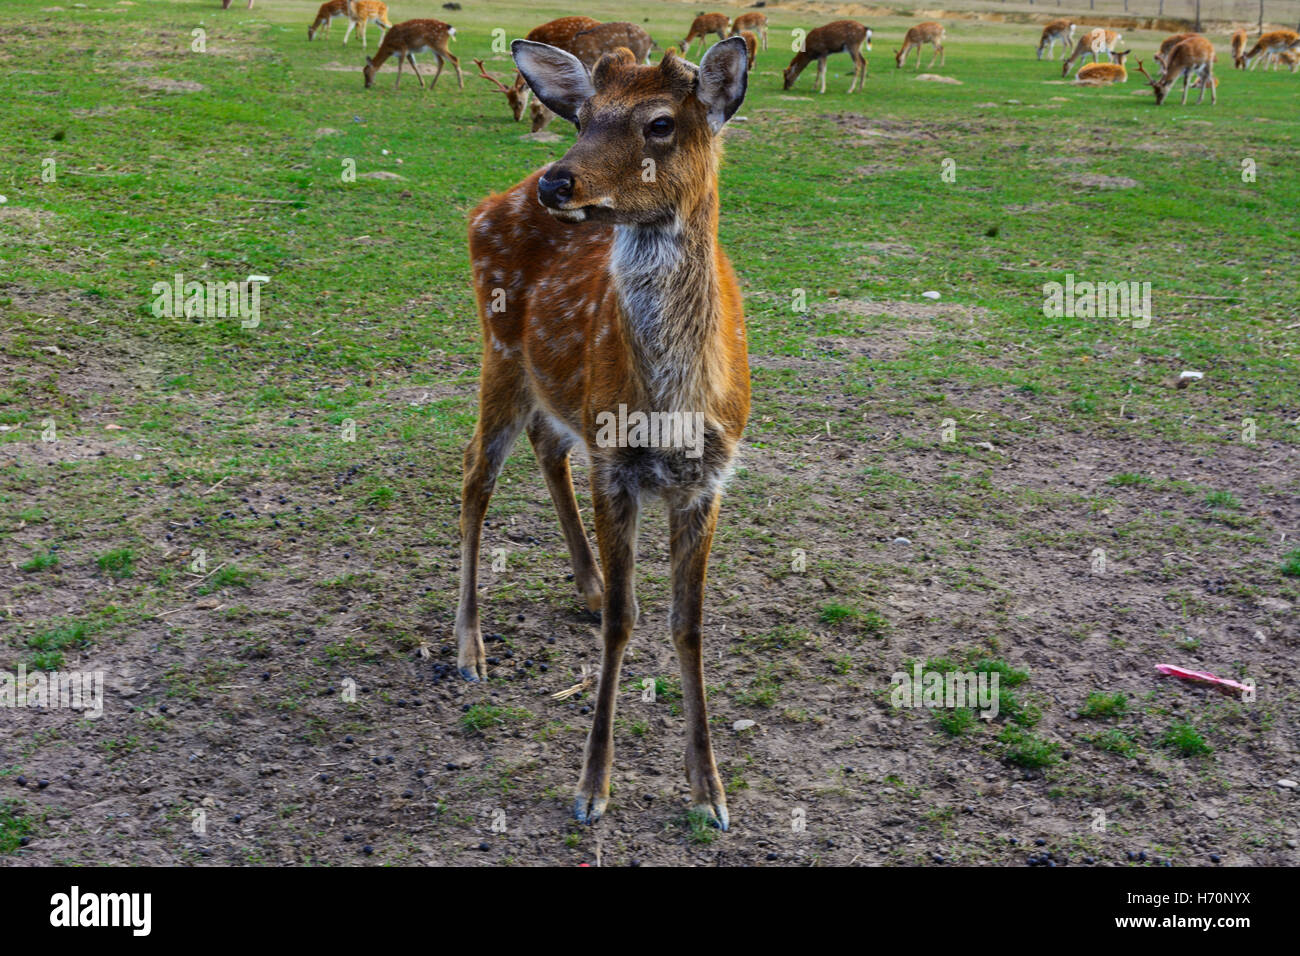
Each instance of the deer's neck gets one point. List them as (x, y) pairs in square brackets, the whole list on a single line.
[(666, 277)]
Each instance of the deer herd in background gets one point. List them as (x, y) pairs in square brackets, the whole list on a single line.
[(1186, 56)]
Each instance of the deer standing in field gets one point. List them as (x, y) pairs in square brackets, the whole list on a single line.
[(756, 23), (361, 12), (840, 36), (1291, 58), (557, 33), (329, 11), (702, 26), (1239, 41), (751, 45), (601, 293), (591, 44), (1104, 74), (1194, 57), (1058, 31), (409, 38), (918, 36), (1095, 42), (1270, 45), (1168, 44)]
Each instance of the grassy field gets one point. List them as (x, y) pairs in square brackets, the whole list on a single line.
[(240, 525)]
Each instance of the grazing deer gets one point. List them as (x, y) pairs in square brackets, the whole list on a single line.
[(918, 36), (1291, 58), (409, 38), (361, 12), (590, 45), (601, 292), (1168, 44), (1061, 31), (702, 26), (751, 44), (329, 11), (754, 22), (1193, 57), (559, 33), (1239, 40), (840, 36), (1096, 42), (1104, 74), (1270, 45)]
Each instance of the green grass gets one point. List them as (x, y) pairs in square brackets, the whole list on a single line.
[(480, 717), (1024, 749), (1099, 705), (118, 563), (15, 826), (40, 562), (1185, 740), (1291, 564)]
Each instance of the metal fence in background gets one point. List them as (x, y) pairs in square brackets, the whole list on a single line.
[(1248, 13)]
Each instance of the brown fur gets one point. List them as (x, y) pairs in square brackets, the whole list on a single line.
[(1191, 58), (917, 36), (568, 343), (590, 45), (1270, 45), (702, 26), (408, 38), (839, 36), (1104, 74), (1095, 42), (325, 16), (756, 23), (1058, 31)]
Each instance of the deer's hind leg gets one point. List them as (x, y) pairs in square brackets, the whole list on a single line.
[(502, 413), (552, 449), (691, 526)]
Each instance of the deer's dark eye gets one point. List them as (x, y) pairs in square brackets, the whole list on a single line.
[(661, 127)]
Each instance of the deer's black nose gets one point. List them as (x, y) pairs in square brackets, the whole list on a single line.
[(555, 188)]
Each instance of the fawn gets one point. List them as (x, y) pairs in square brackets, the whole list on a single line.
[(919, 35), (702, 26), (1103, 74), (601, 290), (756, 23), (409, 38), (841, 36), (329, 11), (1058, 31)]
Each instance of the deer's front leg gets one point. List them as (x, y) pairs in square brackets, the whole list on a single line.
[(617, 511), (690, 529)]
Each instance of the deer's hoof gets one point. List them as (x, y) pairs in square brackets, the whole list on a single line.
[(716, 813), (470, 674), (588, 809)]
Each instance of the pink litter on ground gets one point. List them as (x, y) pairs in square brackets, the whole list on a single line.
[(1202, 677)]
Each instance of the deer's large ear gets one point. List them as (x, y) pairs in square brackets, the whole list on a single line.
[(558, 78), (723, 77)]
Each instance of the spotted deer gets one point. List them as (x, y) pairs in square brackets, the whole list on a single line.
[(1104, 74), (329, 11), (702, 26), (1094, 42), (1058, 31), (361, 12), (602, 290), (1193, 58), (591, 44), (917, 36), (1239, 41), (840, 36), (557, 33), (756, 23), (1270, 45), (409, 38)]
